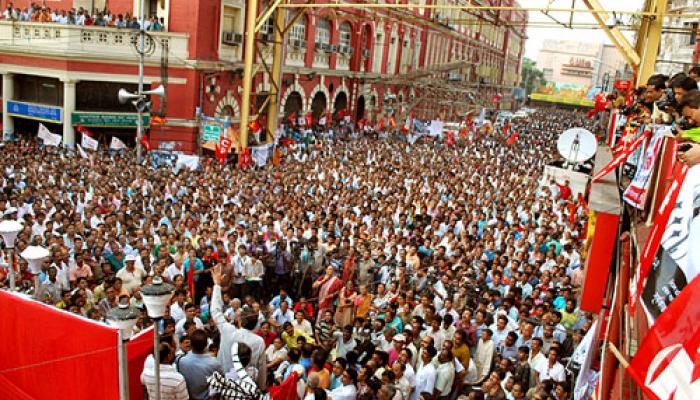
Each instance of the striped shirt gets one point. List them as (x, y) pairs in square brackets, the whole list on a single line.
[(172, 383)]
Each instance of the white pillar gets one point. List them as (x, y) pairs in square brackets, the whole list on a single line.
[(68, 108), (8, 87)]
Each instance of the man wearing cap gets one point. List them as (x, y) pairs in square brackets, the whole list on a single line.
[(130, 275), (395, 350)]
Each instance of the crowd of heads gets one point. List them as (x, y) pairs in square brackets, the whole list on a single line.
[(80, 17), (367, 265)]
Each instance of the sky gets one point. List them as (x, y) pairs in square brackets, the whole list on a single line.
[(536, 36)]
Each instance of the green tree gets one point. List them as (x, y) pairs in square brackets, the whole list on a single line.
[(532, 77)]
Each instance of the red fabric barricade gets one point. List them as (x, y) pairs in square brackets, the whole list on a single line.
[(46, 353)]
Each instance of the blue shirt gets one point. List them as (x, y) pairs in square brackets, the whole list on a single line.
[(196, 368), (198, 266)]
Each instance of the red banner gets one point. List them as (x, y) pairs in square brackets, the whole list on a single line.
[(137, 350), (667, 363), (657, 232), (621, 157), (47, 353)]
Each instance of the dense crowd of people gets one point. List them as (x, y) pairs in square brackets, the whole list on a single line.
[(368, 268), (80, 16)]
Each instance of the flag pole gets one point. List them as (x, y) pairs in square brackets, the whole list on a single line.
[(633, 372)]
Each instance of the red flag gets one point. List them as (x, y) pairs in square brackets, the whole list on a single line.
[(463, 133), (381, 125), (667, 363), (512, 138), (244, 158), (146, 142), (190, 277), (621, 157), (287, 390), (83, 130), (392, 121), (450, 138), (657, 232)]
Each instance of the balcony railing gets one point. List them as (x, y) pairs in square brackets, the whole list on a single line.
[(89, 41)]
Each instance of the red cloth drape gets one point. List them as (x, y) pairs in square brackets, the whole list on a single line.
[(46, 353), (137, 350)]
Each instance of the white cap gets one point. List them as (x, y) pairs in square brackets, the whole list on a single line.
[(130, 257)]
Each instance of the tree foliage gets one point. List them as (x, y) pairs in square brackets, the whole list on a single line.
[(532, 77)]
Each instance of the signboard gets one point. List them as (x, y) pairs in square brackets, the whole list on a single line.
[(211, 133), (38, 112), (578, 181), (109, 120)]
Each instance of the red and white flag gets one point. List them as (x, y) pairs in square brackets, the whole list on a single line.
[(146, 142), (621, 156), (667, 363)]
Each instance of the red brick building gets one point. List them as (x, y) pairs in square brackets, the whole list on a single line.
[(335, 59)]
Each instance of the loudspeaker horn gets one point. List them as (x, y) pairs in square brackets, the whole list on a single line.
[(159, 91), (124, 96)]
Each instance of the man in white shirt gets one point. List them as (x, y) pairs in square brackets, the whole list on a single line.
[(130, 275), (281, 315), (445, 375), (426, 374), (348, 391), (551, 369), (302, 324), (240, 263), (172, 383)]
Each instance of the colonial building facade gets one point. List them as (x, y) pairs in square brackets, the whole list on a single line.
[(334, 60)]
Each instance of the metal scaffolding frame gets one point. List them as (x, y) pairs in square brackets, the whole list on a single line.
[(641, 57)]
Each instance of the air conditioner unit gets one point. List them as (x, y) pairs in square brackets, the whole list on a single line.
[(227, 38)]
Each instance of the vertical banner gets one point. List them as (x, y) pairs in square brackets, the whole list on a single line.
[(612, 127), (636, 193)]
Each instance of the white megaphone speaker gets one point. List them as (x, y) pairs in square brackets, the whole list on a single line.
[(124, 96), (35, 256), (159, 91)]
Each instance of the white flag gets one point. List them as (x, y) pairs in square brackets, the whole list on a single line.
[(82, 152), (50, 139), (89, 143), (117, 144)]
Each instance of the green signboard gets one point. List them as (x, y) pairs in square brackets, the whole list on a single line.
[(107, 120), (211, 133)]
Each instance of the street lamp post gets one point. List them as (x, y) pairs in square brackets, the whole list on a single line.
[(35, 256), (124, 318), (9, 229), (156, 297)]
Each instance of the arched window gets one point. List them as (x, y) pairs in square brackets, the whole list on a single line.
[(298, 31), (344, 34), (323, 31)]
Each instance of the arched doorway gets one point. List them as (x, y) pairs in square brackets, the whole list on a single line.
[(360, 111), (294, 104), (341, 103), (318, 105)]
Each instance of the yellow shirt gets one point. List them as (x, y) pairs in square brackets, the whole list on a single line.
[(291, 340)]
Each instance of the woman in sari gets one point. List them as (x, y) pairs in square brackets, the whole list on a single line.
[(363, 301), (343, 314), (329, 286)]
